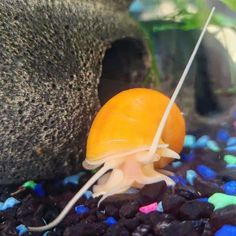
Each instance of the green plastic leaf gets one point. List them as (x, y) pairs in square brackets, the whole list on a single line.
[(231, 4), (224, 21), (167, 25), (186, 21)]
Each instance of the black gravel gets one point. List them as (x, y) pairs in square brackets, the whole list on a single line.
[(184, 211)]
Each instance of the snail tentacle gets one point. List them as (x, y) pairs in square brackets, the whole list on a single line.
[(72, 202), (165, 116)]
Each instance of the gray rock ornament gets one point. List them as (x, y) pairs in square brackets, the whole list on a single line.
[(59, 60)]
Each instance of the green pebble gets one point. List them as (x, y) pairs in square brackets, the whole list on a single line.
[(94, 171), (230, 159), (29, 184), (221, 200), (213, 146)]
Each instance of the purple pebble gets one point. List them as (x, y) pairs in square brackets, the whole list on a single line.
[(188, 156)]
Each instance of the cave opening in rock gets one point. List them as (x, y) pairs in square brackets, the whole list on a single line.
[(125, 65), (206, 102)]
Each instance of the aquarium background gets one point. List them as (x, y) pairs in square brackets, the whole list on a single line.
[(172, 28)]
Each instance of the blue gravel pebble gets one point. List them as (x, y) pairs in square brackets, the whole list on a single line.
[(188, 157), (136, 7), (201, 142), (88, 194), (73, 179), (222, 135), (213, 146), (191, 176), (46, 233), (231, 141), (230, 188), (231, 166), (21, 229), (110, 221), (231, 149), (176, 164), (226, 230), (179, 180), (206, 172), (9, 203), (189, 140), (81, 209), (203, 199), (132, 191), (38, 189), (160, 207)]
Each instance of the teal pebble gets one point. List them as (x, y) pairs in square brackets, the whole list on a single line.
[(46, 233), (189, 141), (160, 207), (191, 176), (201, 142), (21, 229), (9, 203), (231, 149), (231, 166), (231, 141), (213, 146), (88, 194), (221, 200), (136, 7), (73, 179), (176, 164), (230, 159)]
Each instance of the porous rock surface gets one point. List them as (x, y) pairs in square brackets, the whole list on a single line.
[(51, 54)]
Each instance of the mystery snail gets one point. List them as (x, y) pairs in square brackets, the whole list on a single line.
[(121, 136)]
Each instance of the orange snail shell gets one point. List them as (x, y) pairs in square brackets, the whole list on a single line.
[(129, 121)]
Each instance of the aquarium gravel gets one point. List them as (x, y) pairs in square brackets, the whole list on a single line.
[(203, 201)]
